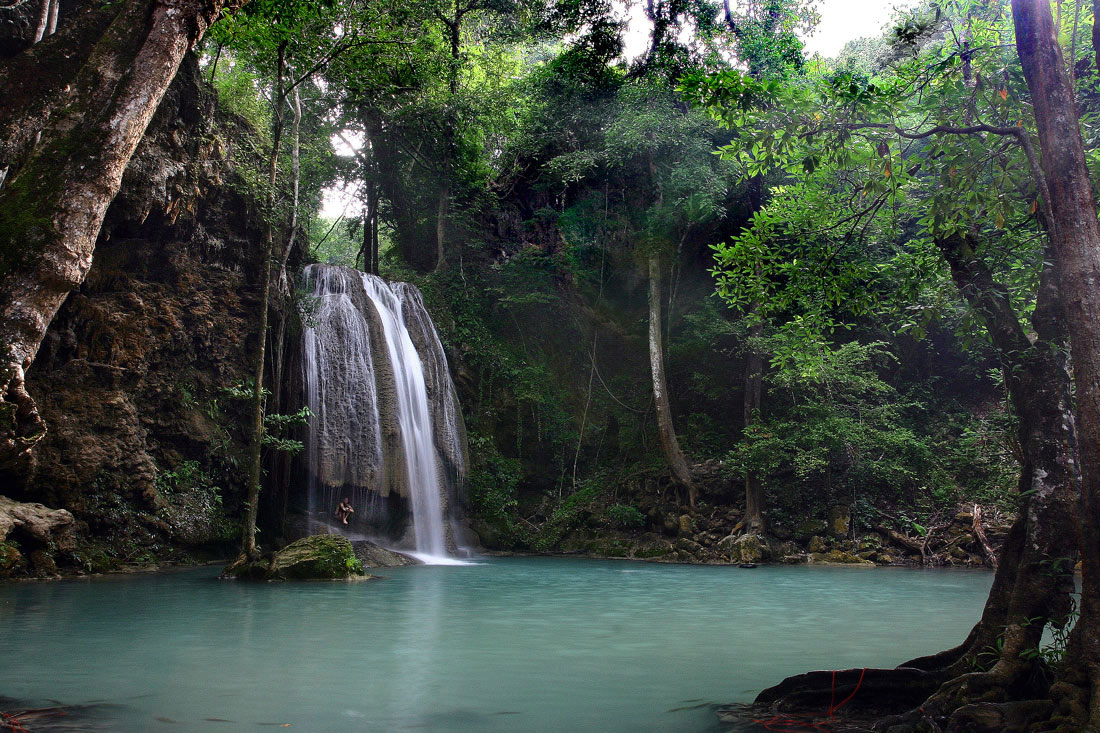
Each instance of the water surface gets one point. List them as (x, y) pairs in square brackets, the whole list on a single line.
[(513, 644)]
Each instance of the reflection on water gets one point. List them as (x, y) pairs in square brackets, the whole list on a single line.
[(537, 644)]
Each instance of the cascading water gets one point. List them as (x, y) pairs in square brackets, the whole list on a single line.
[(385, 419)]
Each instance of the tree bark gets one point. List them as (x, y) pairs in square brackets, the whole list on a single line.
[(1075, 237), (249, 551), (41, 80), (43, 20), (669, 444), (52, 208), (1032, 588)]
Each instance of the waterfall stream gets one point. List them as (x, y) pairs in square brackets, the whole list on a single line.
[(385, 420)]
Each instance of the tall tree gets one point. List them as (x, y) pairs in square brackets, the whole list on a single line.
[(964, 163), (1075, 237)]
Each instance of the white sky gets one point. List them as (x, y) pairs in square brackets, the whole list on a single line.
[(845, 20), (841, 21)]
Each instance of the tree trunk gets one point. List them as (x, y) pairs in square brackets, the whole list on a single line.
[(665, 429), (41, 80), (1031, 589), (43, 20), (52, 208), (754, 378), (249, 551), (1034, 580), (1075, 237)]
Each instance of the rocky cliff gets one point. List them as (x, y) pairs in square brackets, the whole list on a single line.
[(143, 445)]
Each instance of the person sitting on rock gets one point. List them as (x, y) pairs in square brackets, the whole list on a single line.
[(343, 509)]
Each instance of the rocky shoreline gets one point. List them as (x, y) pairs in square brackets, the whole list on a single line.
[(961, 540)]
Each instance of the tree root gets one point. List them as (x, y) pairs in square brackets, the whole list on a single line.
[(21, 427), (908, 700), (863, 695)]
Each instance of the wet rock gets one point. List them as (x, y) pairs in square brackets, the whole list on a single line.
[(41, 532), (997, 717), (781, 533), (671, 524), (321, 556), (375, 556), (42, 564), (749, 548), (653, 549), (787, 548), (688, 545)]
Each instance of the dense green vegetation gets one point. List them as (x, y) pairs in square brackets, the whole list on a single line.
[(698, 302)]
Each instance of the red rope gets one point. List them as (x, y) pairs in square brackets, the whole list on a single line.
[(12, 722), (800, 723)]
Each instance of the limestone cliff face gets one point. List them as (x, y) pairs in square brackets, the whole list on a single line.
[(142, 445)]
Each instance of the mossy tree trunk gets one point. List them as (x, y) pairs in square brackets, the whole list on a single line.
[(1034, 580), (77, 131), (1075, 237)]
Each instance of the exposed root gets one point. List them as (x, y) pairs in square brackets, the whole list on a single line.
[(994, 687), (21, 427), (864, 694)]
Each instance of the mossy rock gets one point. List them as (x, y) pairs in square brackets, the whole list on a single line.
[(320, 557), (11, 560), (840, 557)]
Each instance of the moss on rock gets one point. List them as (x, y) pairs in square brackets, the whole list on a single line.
[(11, 560), (320, 557)]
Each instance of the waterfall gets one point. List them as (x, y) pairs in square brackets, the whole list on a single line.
[(385, 420)]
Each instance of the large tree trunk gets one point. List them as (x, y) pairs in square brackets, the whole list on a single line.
[(1034, 581), (52, 208), (665, 429), (1075, 237)]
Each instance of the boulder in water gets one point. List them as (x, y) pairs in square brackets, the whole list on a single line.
[(320, 557), (375, 556)]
